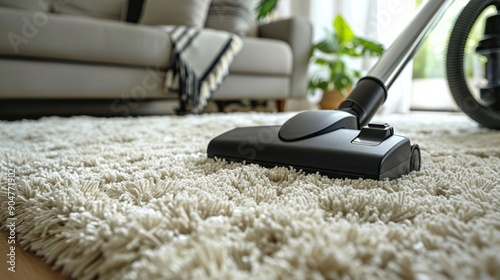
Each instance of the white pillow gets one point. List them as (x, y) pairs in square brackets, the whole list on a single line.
[(175, 12), (236, 16), (31, 5)]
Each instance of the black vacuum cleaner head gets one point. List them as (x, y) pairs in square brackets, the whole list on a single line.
[(327, 142)]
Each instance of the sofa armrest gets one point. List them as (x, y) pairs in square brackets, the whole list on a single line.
[(297, 32)]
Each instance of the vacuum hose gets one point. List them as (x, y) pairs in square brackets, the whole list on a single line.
[(485, 115)]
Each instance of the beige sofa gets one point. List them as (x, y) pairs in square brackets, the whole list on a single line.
[(78, 60)]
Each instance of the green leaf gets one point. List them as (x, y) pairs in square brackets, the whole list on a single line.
[(343, 30), (329, 45), (325, 47), (350, 52), (368, 47), (265, 7), (322, 61), (319, 83)]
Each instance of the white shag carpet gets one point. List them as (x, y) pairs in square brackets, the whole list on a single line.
[(138, 199)]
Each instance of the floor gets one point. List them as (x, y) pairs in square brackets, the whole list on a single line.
[(28, 265)]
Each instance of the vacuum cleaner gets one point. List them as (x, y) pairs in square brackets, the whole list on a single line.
[(344, 143)]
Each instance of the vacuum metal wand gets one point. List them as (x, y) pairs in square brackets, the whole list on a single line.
[(406, 45), (371, 91)]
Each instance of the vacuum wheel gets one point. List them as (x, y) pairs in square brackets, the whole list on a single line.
[(415, 158), (486, 116)]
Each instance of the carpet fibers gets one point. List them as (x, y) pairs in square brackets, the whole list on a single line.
[(138, 199)]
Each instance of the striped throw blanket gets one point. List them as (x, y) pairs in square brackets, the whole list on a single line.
[(201, 59)]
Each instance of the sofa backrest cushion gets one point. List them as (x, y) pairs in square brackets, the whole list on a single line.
[(32, 5), (175, 12), (103, 9), (236, 16)]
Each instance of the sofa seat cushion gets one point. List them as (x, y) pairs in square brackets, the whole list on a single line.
[(261, 56), (59, 37)]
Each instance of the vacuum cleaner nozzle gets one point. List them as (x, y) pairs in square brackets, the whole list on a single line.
[(327, 142)]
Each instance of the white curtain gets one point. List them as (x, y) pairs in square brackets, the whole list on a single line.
[(382, 20), (392, 17)]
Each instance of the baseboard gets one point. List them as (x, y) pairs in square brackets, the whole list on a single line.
[(15, 109)]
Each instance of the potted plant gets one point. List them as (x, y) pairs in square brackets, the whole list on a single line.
[(334, 57)]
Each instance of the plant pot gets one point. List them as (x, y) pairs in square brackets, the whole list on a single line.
[(331, 99)]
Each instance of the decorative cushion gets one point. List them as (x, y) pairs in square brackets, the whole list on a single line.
[(32, 5), (235, 16), (175, 12)]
